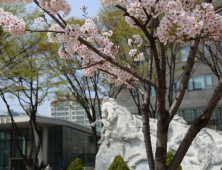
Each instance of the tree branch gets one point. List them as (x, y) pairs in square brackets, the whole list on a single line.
[(185, 79), (195, 128)]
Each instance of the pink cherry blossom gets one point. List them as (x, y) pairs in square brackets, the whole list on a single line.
[(11, 23)]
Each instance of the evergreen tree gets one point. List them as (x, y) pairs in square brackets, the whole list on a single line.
[(76, 165), (118, 164), (169, 158)]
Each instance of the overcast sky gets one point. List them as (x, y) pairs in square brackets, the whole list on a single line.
[(92, 9)]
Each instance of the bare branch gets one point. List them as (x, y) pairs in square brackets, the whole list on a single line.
[(219, 10), (99, 62), (195, 128), (185, 79), (116, 63), (44, 31)]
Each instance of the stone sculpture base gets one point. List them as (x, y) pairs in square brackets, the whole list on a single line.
[(122, 134)]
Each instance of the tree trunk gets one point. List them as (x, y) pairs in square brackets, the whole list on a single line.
[(95, 138), (146, 132), (32, 167), (184, 146), (161, 145)]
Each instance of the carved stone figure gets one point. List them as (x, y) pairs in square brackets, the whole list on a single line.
[(122, 134)]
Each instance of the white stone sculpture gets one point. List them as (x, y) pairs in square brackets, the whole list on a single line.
[(122, 134)]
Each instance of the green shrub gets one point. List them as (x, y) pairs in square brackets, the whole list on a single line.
[(169, 158), (76, 165), (118, 164)]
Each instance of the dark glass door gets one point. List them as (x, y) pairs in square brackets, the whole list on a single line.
[(18, 164)]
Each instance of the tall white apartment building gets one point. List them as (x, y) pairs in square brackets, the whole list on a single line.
[(70, 110)]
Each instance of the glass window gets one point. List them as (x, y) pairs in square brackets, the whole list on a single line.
[(2, 136), (62, 118), (67, 108), (190, 84), (60, 109), (152, 92), (80, 117), (79, 108), (80, 122), (208, 81), (206, 52), (80, 112), (198, 83), (177, 85), (184, 53), (60, 114)]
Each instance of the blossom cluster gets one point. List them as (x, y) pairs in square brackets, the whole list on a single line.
[(134, 53), (135, 9), (20, 1), (182, 21), (54, 6), (39, 21), (181, 25), (11, 23), (131, 22), (70, 47)]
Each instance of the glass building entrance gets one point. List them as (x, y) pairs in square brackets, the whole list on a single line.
[(64, 145), (8, 147)]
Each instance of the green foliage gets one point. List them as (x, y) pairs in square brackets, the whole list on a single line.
[(169, 158), (111, 18), (118, 164), (76, 165)]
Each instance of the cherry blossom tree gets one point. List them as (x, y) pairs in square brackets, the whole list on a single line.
[(162, 22)]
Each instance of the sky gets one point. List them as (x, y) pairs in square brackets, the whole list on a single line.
[(92, 9)]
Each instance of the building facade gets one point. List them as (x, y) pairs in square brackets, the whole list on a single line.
[(63, 141), (70, 110)]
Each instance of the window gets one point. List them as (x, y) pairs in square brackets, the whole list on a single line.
[(206, 52), (80, 122), (208, 81), (80, 112), (177, 85), (184, 53), (152, 92), (200, 82), (60, 114), (62, 118), (197, 83), (79, 108), (60, 109), (80, 117)]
